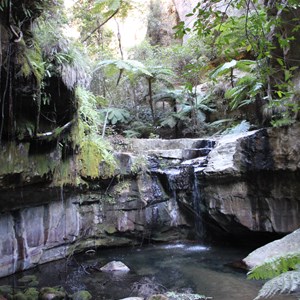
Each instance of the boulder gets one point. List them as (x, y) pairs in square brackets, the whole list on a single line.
[(251, 182), (287, 245)]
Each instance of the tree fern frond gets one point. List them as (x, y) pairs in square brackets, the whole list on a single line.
[(275, 266), (285, 283)]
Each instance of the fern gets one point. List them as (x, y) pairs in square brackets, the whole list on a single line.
[(285, 283), (274, 267), (116, 115), (129, 65)]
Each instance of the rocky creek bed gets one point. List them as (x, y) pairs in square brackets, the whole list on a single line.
[(178, 267)]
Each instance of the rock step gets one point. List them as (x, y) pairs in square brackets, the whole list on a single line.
[(144, 145), (182, 154)]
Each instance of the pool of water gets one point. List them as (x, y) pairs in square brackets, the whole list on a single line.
[(184, 267)]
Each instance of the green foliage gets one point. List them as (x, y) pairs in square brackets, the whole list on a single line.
[(285, 283), (247, 88), (242, 65), (285, 273), (245, 91), (139, 165), (275, 266), (91, 17), (261, 31), (188, 106), (132, 133), (32, 62), (96, 158), (61, 57), (95, 154), (131, 66), (116, 115), (87, 110)]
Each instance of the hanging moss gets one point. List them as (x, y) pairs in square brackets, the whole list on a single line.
[(32, 62), (95, 159)]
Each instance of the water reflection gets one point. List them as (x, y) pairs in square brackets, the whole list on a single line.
[(178, 267)]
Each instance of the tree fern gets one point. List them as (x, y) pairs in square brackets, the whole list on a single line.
[(116, 115), (274, 267), (285, 283)]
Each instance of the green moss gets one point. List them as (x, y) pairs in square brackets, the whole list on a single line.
[(32, 62), (20, 296), (43, 164), (57, 293), (139, 165), (32, 294), (13, 158), (82, 295), (122, 186), (66, 174), (96, 159)]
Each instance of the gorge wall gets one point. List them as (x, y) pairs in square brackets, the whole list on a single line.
[(241, 185)]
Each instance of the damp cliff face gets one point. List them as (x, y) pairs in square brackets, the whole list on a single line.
[(138, 204), (240, 185), (251, 183)]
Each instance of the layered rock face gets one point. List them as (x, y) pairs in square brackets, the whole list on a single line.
[(241, 185), (251, 183), (41, 222)]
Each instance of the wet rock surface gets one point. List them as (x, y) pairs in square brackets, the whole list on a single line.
[(239, 184), (288, 245)]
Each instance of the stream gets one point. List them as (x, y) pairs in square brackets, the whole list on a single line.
[(181, 267)]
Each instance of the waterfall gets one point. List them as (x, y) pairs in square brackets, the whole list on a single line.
[(172, 205), (198, 208)]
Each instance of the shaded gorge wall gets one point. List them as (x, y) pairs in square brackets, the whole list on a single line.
[(241, 186)]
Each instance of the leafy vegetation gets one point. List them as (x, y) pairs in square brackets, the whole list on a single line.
[(284, 272), (233, 72), (232, 37), (275, 267)]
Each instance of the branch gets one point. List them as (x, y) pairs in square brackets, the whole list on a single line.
[(55, 133), (90, 34)]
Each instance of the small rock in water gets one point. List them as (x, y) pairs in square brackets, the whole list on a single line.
[(115, 266)]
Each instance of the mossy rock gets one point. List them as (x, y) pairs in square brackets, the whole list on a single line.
[(110, 229), (82, 295), (32, 294), (20, 296), (47, 293)]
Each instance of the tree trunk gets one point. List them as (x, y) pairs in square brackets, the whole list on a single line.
[(151, 99)]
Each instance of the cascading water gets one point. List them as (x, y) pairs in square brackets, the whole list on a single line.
[(198, 164), (172, 205), (197, 205)]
